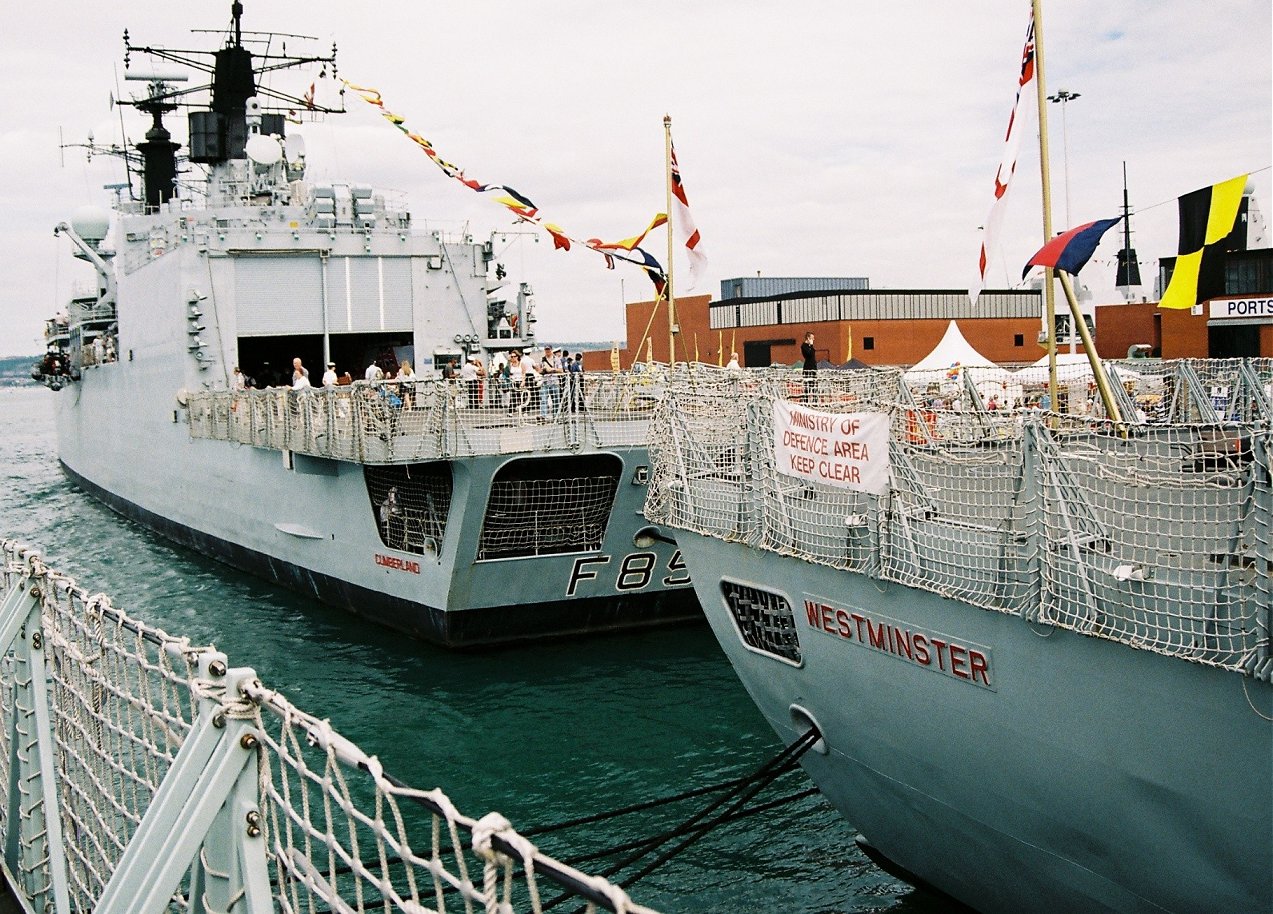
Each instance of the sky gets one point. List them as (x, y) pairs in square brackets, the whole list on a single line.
[(839, 138)]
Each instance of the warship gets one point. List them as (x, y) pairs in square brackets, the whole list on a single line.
[(1034, 643), (1036, 647), (462, 505)]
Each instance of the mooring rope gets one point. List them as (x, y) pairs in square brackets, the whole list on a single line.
[(739, 792)]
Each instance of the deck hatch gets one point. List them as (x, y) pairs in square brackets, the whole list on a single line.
[(764, 620)]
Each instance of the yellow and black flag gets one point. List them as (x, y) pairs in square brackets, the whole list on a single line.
[(1206, 219)]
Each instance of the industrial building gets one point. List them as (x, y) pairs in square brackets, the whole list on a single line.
[(764, 320), (876, 327), (1240, 323)]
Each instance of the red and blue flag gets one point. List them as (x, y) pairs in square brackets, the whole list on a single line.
[(1071, 250)]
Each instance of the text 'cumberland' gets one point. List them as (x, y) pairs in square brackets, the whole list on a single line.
[(930, 650)]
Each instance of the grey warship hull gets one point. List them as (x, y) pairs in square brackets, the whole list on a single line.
[(1071, 785), (1038, 657)]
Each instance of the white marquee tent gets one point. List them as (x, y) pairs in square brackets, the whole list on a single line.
[(955, 352)]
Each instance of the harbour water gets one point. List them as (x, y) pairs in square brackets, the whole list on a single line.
[(541, 734)]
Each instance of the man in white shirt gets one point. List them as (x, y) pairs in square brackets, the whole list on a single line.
[(470, 377), (374, 373), (329, 376)]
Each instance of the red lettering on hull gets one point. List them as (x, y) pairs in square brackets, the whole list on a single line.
[(392, 561), (930, 650)]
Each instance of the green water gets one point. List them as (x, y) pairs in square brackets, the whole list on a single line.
[(541, 733)]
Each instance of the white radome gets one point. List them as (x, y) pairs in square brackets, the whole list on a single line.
[(92, 223), (264, 150)]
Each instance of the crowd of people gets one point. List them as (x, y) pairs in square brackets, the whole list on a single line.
[(517, 381)]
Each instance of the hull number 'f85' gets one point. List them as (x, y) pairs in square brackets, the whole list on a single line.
[(635, 572)]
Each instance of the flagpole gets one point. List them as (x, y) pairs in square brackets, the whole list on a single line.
[(671, 293), (1049, 275), (1049, 290)]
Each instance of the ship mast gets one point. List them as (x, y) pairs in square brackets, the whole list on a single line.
[(1098, 370), (1128, 268)]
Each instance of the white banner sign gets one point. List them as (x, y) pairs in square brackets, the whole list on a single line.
[(839, 449), (1228, 308)]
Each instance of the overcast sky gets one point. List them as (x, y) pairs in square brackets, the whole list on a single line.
[(841, 138)]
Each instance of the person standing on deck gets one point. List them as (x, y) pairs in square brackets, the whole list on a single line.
[(470, 377), (550, 371), (574, 382), (810, 364), (809, 354)]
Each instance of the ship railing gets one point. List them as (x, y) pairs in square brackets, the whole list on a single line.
[(1155, 534), (398, 422), (142, 773)]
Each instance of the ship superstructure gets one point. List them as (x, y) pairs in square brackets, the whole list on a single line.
[(231, 283)]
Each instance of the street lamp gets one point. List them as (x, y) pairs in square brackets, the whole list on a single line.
[(1063, 96)]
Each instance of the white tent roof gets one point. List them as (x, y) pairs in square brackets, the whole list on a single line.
[(1069, 366), (951, 351)]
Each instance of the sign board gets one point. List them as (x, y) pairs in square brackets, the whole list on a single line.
[(1255, 306), (849, 450)]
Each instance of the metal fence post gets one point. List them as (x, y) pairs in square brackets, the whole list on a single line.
[(34, 855), (184, 829)]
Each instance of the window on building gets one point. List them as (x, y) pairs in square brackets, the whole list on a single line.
[(868, 342), (1018, 339)]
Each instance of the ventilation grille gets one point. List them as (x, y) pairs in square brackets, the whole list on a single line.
[(764, 620), (549, 506)]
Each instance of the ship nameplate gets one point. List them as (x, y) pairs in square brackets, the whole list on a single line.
[(955, 658)]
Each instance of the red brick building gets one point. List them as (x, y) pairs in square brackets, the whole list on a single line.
[(1240, 323), (891, 327)]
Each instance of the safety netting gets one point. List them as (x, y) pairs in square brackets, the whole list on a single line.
[(129, 753), (389, 422), (1153, 532)]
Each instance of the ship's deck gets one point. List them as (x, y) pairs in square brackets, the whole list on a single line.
[(409, 422)]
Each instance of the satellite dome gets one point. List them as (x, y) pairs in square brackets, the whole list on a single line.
[(263, 150), (92, 223)]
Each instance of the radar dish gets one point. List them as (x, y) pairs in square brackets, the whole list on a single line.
[(263, 150), (92, 223)]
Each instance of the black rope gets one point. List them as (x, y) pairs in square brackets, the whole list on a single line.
[(635, 807), (651, 841), (701, 822), (698, 831), (739, 790)]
